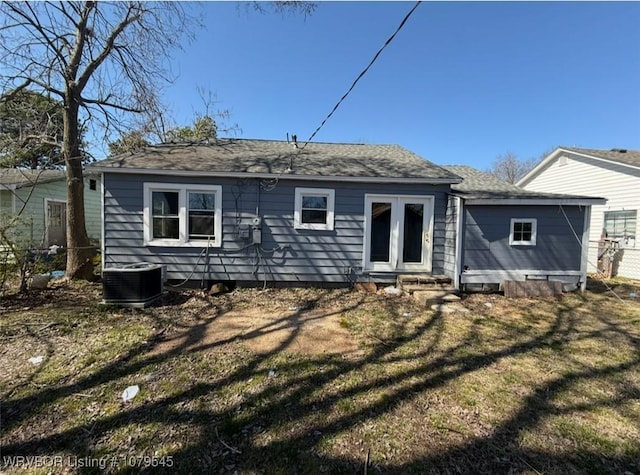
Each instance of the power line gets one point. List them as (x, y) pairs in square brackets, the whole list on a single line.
[(364, 71)]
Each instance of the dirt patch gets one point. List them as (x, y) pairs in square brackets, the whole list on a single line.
[(314, 331)]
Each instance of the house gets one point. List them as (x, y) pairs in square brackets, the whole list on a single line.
[(257, 211), (503, 232), (612, 174), (263, 211), (38, 199)]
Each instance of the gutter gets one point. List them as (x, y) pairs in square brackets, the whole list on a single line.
[(280, 176)]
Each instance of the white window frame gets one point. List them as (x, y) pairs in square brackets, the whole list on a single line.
[(534, 232), (183, 215), (625, 241), (297, 213)]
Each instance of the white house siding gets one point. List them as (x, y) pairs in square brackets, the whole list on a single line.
[(619, 184)]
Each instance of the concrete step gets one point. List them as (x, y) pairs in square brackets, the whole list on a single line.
[(422, 279), (415, 282), (428, 297), (411, 288)]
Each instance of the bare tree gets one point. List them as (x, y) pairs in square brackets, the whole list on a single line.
[(510, 168), (104, 61)]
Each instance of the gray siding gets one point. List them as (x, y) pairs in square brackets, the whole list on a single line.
[(285, 254), (486, 241), (451, 224)]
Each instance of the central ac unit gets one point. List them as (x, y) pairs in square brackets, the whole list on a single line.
[(135, 285)]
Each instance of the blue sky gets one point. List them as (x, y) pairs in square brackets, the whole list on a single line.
[(462, 83)]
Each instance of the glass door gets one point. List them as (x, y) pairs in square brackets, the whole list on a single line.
[(398, 233)]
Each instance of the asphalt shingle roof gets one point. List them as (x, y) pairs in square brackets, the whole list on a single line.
[(482, 185), (19, 177), (627, 157), (271, 157)]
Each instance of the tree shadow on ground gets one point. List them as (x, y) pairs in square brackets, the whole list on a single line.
[(290, 421)]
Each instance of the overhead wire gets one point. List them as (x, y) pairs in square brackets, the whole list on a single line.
[(272, 183), (586, 250), (361, 75)]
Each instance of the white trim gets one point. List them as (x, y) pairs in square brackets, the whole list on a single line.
[(493, 276), (328, 193), (46, 217), (584, 247), (525, 272), (270, 176), (537, 201), (534, 231), (559, 152), (396, 237), (102, 219), (183, 239), (459, 240)]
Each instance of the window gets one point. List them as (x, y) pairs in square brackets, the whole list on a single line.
[(621, 225), (93, 184), (523, 232), (165, 214), (182, 215), (314, 209)]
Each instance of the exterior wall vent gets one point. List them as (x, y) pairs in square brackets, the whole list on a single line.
[(135, 285)]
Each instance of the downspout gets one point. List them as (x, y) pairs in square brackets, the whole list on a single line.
[(459, 239)]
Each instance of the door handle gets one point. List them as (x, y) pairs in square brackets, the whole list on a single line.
[(426, 238)]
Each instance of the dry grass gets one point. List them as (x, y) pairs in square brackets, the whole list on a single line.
[(514, 386)]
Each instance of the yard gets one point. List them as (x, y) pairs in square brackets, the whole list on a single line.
[(321, 381)]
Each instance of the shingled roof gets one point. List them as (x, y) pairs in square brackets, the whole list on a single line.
[(483, 186), (267, 158), (17, 178), (627, 157)]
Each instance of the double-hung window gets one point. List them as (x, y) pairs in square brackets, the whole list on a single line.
[(314, 208), (523, 232), (182, 215)]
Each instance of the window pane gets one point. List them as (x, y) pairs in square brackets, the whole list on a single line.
[(166, 228), (522, 231), (314, 216), (380, 232), (164, 203), (314, 202), (201, 224), (202, 201), (413, 224), (620, 224)]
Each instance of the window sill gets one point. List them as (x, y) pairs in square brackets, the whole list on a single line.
[(313, 227), (178, 243)]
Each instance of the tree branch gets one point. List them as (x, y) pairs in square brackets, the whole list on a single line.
[(104, 54)]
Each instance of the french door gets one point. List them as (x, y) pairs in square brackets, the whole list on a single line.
[(398, 233)]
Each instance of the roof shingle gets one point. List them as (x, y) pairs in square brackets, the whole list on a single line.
[(18, 177), (483, 186), (627, 157), (270, 157)]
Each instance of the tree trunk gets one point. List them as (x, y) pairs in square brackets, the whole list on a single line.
[(79, 265)]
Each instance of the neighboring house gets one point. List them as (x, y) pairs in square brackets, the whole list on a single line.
[(503, 232), (612, 174), (272, 211), (39, 198)]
